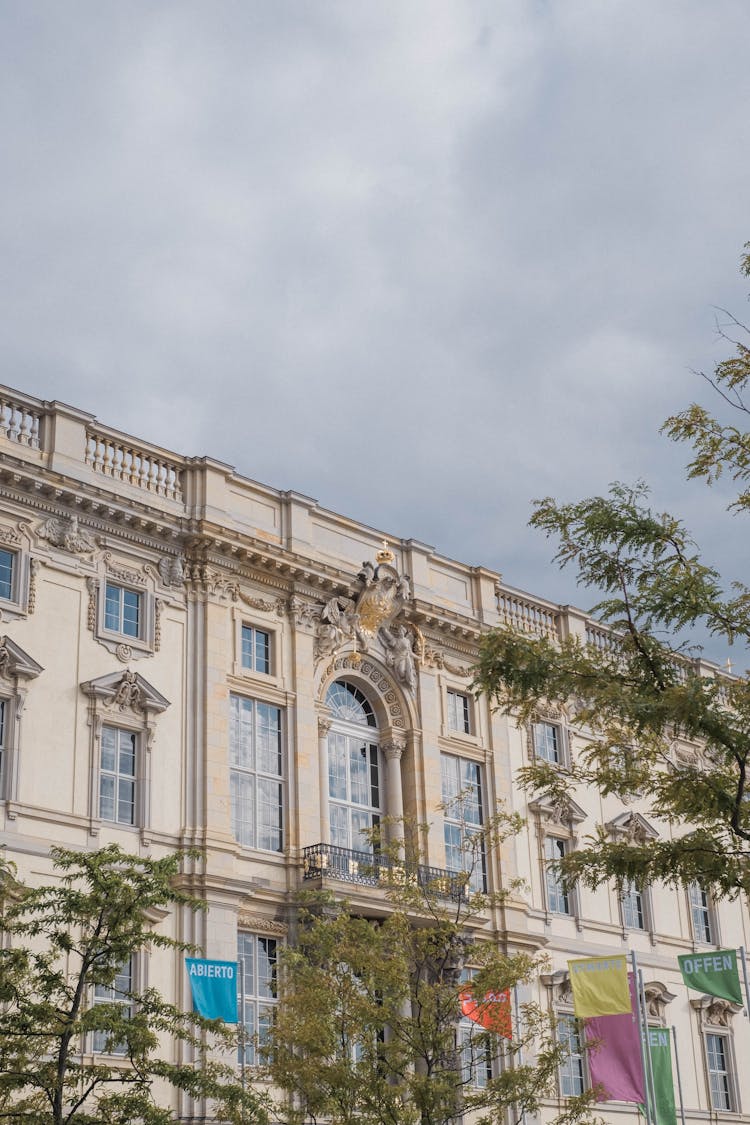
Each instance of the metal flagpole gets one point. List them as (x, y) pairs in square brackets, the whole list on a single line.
[(679, 1077), (517, 1011), (243, 1048), (641, 1035), (650, 1075), (747, 986)]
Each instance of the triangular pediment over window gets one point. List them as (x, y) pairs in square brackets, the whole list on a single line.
[(557, 811), (126, 690), (631, 827), (15, 663)]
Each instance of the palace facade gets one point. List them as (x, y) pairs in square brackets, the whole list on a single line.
[(188, 657)]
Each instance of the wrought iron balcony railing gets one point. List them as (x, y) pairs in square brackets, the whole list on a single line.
[(369, 869)]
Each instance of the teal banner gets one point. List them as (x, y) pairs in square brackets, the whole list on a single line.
[(214, 988)]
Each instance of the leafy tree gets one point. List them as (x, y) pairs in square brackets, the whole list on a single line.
[(659, 722), (67, 943), (366, 1026)]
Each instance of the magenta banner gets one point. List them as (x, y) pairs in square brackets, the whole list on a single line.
[(615, 1055)]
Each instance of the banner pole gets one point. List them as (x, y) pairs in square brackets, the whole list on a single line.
[(747, 986), (679, 1076), (242, 1020), (641, 1035), (650, 1074), (517, 1012)]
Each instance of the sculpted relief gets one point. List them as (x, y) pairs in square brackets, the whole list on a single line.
[(369, 619)]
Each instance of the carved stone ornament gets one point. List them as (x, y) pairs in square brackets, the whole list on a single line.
[(434, 658), (259, 924), (172, 570), (714, 1011), (123, 573), (368, 620), (657, 998), (559, 984), (66, 533), (564, 811), (126, 691), (632, 828), (364, 667)]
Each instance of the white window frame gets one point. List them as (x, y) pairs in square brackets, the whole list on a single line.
[(119, 777), (24, 568), (252, 775), (17, 670), (125, 646), (553, 888), (540, 729), (627, 892), (569, 1020), (114, 995), (252, 664), (120, 628), (728, 1075), (459, 712), (456, 824), (707, 909), (260, 999)]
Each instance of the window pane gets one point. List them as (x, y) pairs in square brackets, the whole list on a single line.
[(547, 742), (359, 773), (262, 652), (557, 898), (107, 797), (7, 560), (242, 792), (112, 608), (269, 814), (131, 611), (337, 766), (718, 1070), (571, 1070), (268, 739), (700, 909)]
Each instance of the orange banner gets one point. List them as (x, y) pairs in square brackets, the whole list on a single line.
[(493, 1012)]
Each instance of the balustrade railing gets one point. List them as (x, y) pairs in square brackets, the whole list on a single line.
[(369, 869), (19, 422), (526, 615), (124, 461)]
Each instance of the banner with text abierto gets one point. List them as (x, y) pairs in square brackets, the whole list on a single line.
[(214, 988), (713, 973)]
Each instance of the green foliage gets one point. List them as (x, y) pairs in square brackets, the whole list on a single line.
[(657, 723), (65, 939), (368, 1010)]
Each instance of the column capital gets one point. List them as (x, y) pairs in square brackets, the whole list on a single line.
[(324, 725), (393, 748)]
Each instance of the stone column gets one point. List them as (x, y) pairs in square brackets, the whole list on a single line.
[(324, 725), (393, 749)]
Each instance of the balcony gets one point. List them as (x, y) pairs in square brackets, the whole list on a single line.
[(364, 869)]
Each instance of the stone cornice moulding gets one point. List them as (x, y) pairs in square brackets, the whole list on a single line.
[(15, 664), (631, 827), (126, 690)]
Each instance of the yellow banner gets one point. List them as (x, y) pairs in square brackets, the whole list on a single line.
[(600, 986)]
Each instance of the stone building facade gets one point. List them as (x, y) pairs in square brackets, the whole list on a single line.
[(188, 657)]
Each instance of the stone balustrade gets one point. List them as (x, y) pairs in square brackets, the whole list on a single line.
[(527, 615), (20, 422), (132, 464)]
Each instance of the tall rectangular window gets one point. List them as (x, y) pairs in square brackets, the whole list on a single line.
[(558, 899), (3, 744), (463, 819), (120, 992), (7, 574), (719, 1074), (117, 775), (122, 610), (572, 1072), (459, 712), (701, 914), (256, 785), (256, 988), (632, 906), (548, 743), (256, 649)]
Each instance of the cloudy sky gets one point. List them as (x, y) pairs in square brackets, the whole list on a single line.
[(424, 260)]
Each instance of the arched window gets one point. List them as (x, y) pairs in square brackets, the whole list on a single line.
[(354, 806)]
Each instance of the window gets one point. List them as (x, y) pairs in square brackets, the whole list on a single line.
[(463, 819), (633, 907), (474, 1054), (572, 1071), (7, 575), (548, 743), (256, 650), (122, 610), (719, 1072), (256, 989), (120, 992), (256, 785), (3, 736), (353, 768), (558, 899), (117, 775), (459, 712), (701, 914)]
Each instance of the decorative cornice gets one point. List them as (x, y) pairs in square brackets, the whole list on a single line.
[(257, 923), (126, 691)]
